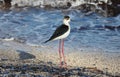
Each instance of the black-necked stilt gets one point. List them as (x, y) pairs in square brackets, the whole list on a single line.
[(60, 33)]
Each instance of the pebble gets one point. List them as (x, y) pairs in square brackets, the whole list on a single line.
[(47, 69)]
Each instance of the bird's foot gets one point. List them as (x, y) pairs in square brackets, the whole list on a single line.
[(63, 65)]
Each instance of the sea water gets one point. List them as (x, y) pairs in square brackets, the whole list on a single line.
[(34, 26)]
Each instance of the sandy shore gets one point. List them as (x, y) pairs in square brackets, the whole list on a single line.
[(83, 57)]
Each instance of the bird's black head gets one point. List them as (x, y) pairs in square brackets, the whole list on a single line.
[(66, 20), (66, 17)]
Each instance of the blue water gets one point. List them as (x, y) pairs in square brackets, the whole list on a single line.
[(34, 26)]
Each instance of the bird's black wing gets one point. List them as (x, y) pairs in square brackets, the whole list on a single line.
[(58, 32)]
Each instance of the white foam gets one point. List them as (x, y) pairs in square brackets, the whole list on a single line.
[(9, 39), (77, 3), (53, 3), (27, 2)]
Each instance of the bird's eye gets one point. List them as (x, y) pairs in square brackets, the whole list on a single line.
[(67, 18)]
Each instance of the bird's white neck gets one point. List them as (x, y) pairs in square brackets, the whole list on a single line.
[(66, 22)]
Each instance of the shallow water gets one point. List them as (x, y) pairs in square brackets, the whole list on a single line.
[(35, 26)]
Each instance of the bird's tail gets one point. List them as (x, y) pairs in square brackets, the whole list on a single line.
[(46, 41)]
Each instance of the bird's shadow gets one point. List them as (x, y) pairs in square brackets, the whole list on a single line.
[(25, 55)]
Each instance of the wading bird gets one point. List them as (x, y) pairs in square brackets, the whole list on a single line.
[(60, 34)]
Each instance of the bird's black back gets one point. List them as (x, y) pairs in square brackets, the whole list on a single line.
[(59, 31)]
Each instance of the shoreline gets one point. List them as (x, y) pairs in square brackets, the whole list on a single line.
[(105, 61)]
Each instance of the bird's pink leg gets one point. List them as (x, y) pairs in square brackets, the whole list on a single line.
[(63, 53), (60, 53)]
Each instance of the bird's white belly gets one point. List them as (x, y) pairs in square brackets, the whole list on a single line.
[(63, 36)]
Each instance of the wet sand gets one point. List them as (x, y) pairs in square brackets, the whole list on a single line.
[(82, 62)]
